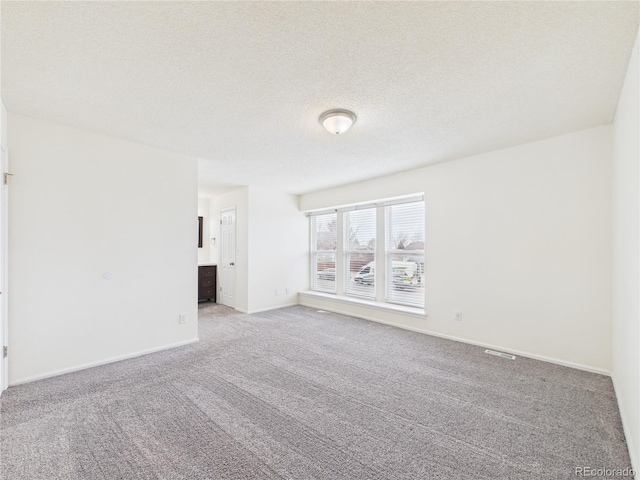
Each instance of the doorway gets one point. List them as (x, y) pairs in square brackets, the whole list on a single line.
[(228, 257)]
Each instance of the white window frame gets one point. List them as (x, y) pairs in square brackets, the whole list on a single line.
[(381, 252)]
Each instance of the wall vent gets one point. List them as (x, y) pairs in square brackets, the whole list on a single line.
[(500, 354)]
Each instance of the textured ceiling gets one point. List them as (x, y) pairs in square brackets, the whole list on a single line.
[(241, 84)]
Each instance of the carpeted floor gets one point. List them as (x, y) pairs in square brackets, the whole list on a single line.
[(299, 394)]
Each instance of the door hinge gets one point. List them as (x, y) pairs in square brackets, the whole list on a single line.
[(220, 222), (4, 351), (6, 178)]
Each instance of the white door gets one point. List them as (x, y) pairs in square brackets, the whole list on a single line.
[(228, 257), (4, 328)]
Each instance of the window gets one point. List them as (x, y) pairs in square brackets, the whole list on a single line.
[(324, 235), (374, 252), (360, 252), (405, 254)]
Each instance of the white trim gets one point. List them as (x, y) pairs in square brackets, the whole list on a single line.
[(627, 433), (501, 348), (386, 307), (84, 366), (4, 264), (260, 310)]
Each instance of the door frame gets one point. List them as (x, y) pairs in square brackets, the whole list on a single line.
[(4, 256)]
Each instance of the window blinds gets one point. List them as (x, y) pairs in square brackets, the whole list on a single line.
[(347, 265), (324, 236), (404, 252)]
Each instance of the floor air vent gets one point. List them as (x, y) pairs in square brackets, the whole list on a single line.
[(500, 354)]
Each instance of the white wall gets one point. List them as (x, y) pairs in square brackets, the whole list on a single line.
[(82, 204), (204, 253), (626, 257), (278, 249), (271, 247), (3, 128), (239, 199), (518, 239)]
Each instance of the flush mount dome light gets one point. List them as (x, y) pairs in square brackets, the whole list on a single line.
[(337, 121)]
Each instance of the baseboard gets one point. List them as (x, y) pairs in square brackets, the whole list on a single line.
[(627, 435), (76, 368), (533, 356), (250, 312)]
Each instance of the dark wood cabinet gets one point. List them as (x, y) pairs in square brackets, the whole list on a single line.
[(207, 282)]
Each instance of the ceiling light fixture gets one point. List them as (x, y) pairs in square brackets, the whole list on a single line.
[(337, 121)]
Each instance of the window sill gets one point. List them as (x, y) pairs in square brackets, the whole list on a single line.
[(387, 307)]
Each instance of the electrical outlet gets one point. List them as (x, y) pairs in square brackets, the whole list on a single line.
[(277, 292), (182, 318), (457, 315), (286, 290)]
